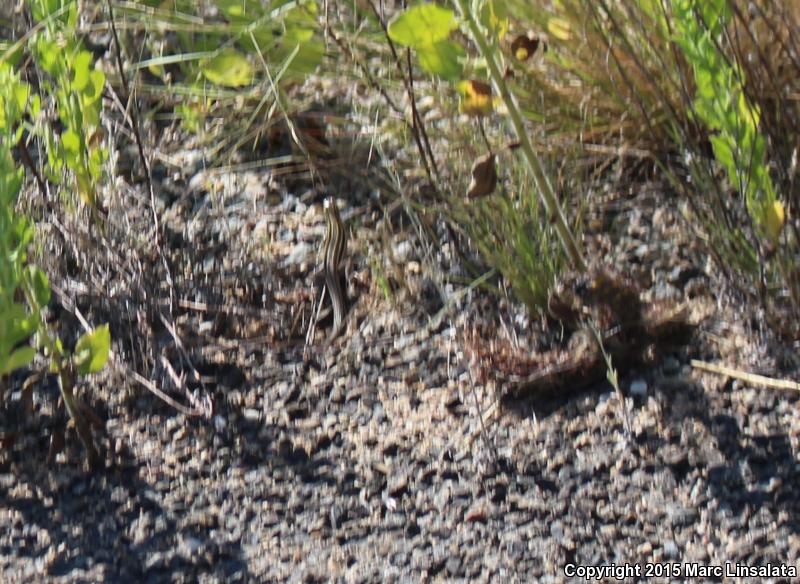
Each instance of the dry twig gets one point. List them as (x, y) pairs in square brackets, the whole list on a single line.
[(753, 378)]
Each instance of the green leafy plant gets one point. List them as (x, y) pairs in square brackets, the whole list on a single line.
[(602, 73), (671, 82), (248, 54), (425, 28), (16, 323), (746, 232), (489, 49), (76, 85), (24, 288), (513, 235), (720, 103)]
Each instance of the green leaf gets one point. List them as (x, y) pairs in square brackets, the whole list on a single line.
[(19, 325), (40, 285), (422, 26), (442, 59), (21, 92), (305, 58), (47, 54), (723, 153), (190, 116), (715, 14), (774, 218), (10, 180), (17, 359), (92, 349), (494, 16), (71, 142), (5, 124), (240, 11), (13, 57), (229, 68), (262, 39), (23, 233), (297, 35), (94, 88), (81, 66), (41, 9), (200, 42)]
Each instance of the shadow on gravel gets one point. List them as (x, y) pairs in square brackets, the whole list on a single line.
[(134, 522), (124, 523), (759, 470), (107, 524), (737, 453), (61, 518), (543, 407)]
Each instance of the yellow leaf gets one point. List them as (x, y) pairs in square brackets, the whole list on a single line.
[(773, 222), (476, 98), (86, 190), (559, 28)]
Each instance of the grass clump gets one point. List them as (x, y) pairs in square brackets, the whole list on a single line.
[(511, 232), (700, 88), (518, 229), (223, 68)]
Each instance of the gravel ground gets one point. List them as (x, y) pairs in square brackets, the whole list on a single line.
[(382, 460)]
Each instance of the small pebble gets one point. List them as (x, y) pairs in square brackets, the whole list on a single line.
[(671, 366), (252, 415), (402, 250), (191, 546), (638, 388), (219, 423), (298, 255), (477, 512), (670, 549)]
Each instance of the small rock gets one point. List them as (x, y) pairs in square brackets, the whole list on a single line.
[(412, 529), (285, 234), (452, 399), (453, 565), (190, 546), (390, 502), (644, 253), (670, 549), (638, 388), (261, 230), (478, 512), (397, 485), (252, 415), (671, 366), (219, 423), (608, 532), (198, 182), (402, 250), (298, 255)]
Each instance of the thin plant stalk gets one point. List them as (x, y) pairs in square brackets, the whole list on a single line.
[(541, 179)]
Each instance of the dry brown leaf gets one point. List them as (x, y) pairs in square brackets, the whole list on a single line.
[(484, 177)]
